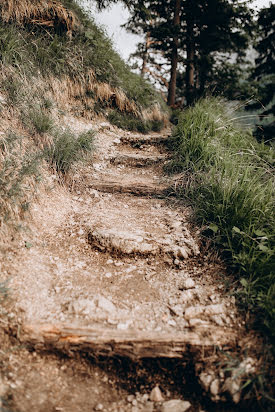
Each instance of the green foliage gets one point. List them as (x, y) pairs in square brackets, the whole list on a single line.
[(205, 36), (231, 186), (263, 74), (37, 119), (133, 123), (14, 172), (67, 149)]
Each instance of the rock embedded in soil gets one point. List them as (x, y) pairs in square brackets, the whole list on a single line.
[(209, 310), (156, 395), (175, 405), (149, 407), (214, 387), (187, 284), (205, 380), (106, 305), (99, 407)]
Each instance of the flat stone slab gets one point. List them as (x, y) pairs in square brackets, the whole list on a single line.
[(130, 243)]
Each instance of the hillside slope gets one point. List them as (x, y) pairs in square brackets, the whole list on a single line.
[(110, 297), (55, 60)]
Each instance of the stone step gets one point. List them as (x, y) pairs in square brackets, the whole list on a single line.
[(136, 242)]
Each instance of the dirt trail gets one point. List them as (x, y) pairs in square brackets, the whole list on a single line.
[(115, 268)]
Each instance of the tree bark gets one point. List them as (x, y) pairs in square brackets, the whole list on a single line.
[(174, 58), (190, 49), (131, 344), (145, 54)]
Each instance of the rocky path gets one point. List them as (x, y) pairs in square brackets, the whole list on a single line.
[(115, 268)]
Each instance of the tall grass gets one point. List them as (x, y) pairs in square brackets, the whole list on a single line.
[(19, 168), (67, 149), (231, 185)]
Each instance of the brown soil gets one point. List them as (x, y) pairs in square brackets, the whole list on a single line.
[(104, 280)]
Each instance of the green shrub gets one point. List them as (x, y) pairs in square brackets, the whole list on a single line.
[(67, 148), (231, 187)]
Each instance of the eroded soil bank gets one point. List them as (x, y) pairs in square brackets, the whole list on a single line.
[(112, 295)]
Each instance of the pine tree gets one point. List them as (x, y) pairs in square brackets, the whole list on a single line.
[(264, 72), (188, 34), (195, 35)]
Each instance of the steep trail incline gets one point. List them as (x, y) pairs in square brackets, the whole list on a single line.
[(114, 267)]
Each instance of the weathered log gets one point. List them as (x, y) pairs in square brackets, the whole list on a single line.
[(137, 189), (130, 344), (146, 140), (136, 160)]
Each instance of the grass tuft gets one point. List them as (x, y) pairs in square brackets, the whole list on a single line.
[(37, 119), (18, 165), (231, 185), (67, 148)]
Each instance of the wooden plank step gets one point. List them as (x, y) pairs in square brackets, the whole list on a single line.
[(136, 189), (131, 344), (136, 160), (146, 140)]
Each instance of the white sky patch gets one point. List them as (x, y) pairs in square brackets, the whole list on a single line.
[(113, 17)]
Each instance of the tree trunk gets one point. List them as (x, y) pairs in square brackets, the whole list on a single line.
[(190, 68), (145, 54), (174, 58)]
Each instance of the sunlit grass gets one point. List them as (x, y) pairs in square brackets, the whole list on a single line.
[(231, 185)]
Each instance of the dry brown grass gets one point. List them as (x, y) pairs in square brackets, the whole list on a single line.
[(155, 113), (67, 90), (39, 12)]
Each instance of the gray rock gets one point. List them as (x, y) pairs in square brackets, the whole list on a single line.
[(209, 310), (205, 380), (106, 305), (183, 252), (149, 407), (188, 284), (175, 405), (144, 397), (214, 387), (99, 407), (233, 388), (156, 395), (82, 307), (130, 398)]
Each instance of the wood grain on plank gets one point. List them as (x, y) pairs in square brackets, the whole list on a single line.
[(131, 344)]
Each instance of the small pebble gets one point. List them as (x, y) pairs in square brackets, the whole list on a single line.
[(187, 284), (99, 407)]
